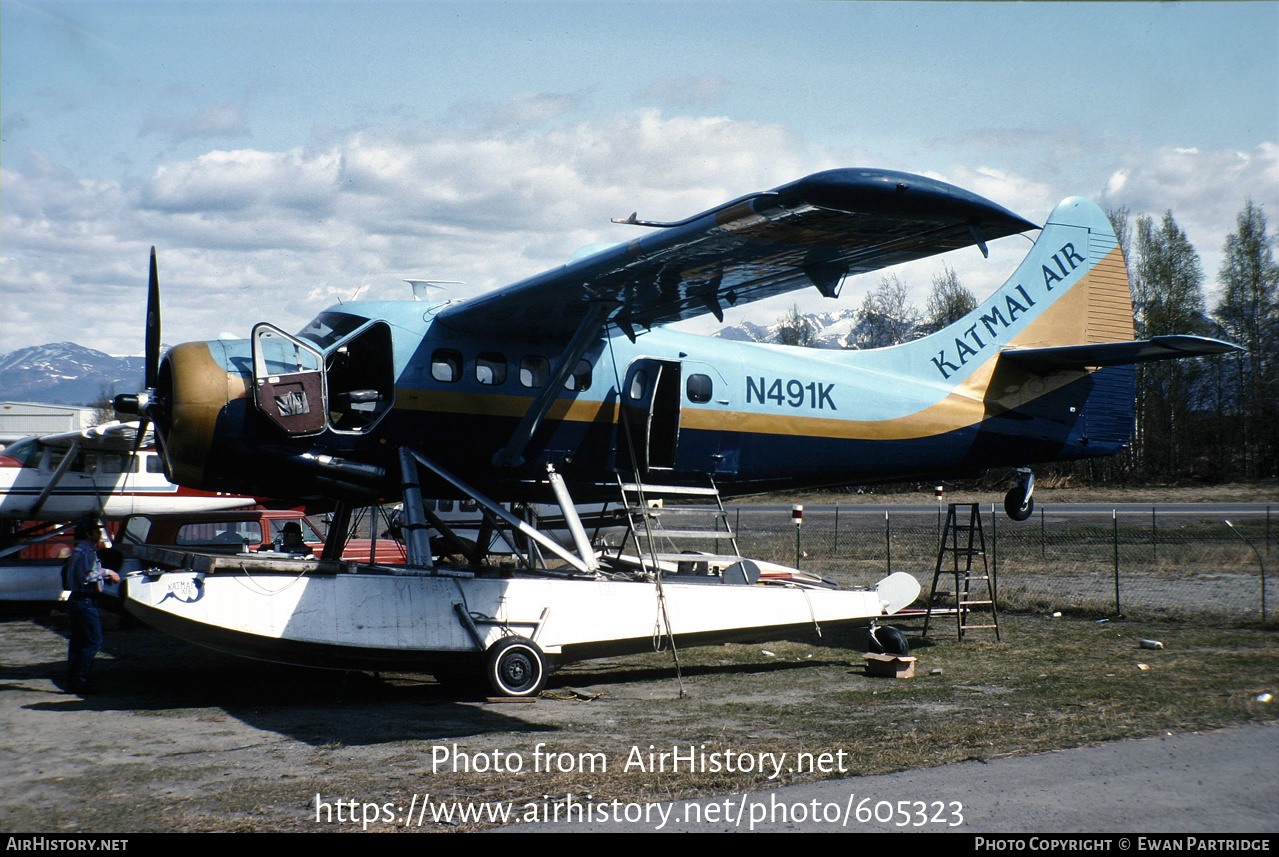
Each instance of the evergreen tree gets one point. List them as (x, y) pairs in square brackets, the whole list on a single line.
[(794, 329), (1168, 292), (1249, 316)]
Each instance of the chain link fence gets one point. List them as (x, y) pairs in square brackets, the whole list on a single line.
[(1151, 563), (1178, 562)]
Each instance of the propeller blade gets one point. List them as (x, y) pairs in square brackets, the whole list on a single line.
[(153, 327)]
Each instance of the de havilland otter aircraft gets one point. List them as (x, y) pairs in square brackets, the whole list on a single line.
[(573, 371)]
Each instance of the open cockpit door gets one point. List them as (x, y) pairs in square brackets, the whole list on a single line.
[(650, 414), (360, 379), (346, 384), (288, 381)]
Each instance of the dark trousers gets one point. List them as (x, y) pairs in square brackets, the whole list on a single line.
[(86, 637)]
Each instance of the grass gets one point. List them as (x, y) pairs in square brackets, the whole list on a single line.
[(1050, 684), (292, 733)]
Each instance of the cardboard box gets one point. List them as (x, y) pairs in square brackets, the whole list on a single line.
[(890, 666)]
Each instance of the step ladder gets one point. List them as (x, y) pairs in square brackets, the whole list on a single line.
[(686, 540), (964, 541)]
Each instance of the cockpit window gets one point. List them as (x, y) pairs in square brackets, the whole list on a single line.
[(25, 452), (328, 327)]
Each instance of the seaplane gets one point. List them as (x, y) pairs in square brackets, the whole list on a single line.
[(570, 387)]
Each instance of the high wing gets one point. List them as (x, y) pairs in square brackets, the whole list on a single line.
[(811, 232), (114, 436)]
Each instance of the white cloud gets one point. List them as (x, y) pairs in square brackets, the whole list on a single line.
[(246, 235), (1203, 189)]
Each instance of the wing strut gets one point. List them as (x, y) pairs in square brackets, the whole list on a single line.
[(512, 455), (55, 479)]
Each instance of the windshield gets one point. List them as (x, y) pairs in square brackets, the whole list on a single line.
[(26, 452), (328, 327)]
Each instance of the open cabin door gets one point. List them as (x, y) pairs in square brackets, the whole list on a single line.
[(288, 381), (348, 387), (650, 415)]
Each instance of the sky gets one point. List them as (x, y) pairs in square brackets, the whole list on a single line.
[(285, 156)]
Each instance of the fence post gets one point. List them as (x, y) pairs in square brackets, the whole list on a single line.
[(994, 541), (835, 549), (1154, 538), (1114, 518), (1260, 562), (888, 542), (1043, 538)]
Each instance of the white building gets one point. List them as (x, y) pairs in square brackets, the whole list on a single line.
[(24, 419)]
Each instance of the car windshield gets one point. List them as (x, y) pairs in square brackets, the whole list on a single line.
[(329, 327)]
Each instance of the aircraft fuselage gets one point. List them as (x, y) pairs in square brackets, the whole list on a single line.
[(323, 412)]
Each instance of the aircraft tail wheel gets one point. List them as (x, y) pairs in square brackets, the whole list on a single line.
[(887, 640), (1018, 506), (516, 667)]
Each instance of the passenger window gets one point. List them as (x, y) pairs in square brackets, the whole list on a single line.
[(638, 382), (534, 371), (154, 464), (699, 388), (490, 368), (54, 458), (580, 379), (114, 462), (446, 505), (446, 365)]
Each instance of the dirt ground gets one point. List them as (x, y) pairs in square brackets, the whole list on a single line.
[(183, 739)]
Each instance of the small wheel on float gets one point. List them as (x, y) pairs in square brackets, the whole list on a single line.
[(887, 640), (516, 667)]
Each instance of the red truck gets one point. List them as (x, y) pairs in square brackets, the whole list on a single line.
[(246, 530), (36, 574)]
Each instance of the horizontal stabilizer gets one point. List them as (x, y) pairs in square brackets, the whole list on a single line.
[(1118, 353)]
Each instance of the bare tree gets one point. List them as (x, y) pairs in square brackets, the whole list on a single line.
[(104, 405), (886, 317), (949, 301)]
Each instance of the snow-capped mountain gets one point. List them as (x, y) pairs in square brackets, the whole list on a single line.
[(830, 329), (63, 373)]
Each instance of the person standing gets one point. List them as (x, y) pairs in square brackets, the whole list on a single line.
[(83, 574)]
